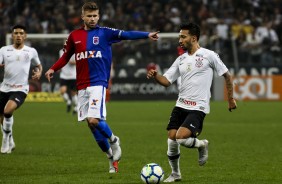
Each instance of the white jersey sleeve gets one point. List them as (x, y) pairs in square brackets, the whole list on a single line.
[(217, 64), (35, 58), (173, 72)]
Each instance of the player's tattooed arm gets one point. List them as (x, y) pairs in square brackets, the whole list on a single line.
[(229, 87)]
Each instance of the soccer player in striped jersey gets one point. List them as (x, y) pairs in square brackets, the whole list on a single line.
[(195, 67), (16, 60), (91, 45)]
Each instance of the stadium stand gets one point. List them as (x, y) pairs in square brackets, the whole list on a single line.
[(254, 25)]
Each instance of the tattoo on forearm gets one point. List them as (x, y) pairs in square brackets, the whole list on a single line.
[(229, 86)]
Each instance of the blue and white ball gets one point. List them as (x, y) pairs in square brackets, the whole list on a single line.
[(152, 173)]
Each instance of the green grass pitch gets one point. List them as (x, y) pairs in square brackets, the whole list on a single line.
[(52, 148)]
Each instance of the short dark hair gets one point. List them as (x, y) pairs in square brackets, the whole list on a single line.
[(194, 29), (90, 6), (19, 26)]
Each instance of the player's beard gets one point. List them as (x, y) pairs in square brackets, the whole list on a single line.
[(187, 46), (91, 25)]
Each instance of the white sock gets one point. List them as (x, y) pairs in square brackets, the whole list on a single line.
[(66, 98), (111, 161), (112, 138), (191, 142), (74, 102), (173, 153), (199, 143), (8, 125), (109, 153)]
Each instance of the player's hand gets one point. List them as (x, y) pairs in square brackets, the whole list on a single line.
[(49, 74), (151, 73), (154, 35), (232, 104), (2, 65), (36, 73)]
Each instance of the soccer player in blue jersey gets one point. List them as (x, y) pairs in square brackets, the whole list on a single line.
[(91, 45)]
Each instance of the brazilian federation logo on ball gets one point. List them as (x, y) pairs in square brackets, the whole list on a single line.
[(152, 173)]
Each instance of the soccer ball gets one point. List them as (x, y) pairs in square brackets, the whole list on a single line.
[(152, 173)]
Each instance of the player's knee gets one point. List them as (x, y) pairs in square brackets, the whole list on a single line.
[(172, 134), (8, 111), (8, 115), (92, 127), (183, 133), (92, 122)]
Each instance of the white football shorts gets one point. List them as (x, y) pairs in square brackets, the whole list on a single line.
[(91, 103)]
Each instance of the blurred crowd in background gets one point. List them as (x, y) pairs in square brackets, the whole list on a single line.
[(254, 26)]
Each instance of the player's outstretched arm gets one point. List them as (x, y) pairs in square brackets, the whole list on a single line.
[(135, 35), (159, 78), (229, 87), (49, 74), (154, 36)]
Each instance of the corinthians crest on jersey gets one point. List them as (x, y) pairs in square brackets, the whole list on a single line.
[(199, 62)]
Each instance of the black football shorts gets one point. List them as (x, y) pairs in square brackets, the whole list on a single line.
[(17, 96), (70, 83), (191, 119)]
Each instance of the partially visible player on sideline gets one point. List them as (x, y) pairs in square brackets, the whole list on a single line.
[(16, 60), (68, 83), (91, 45), (195, 67)]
